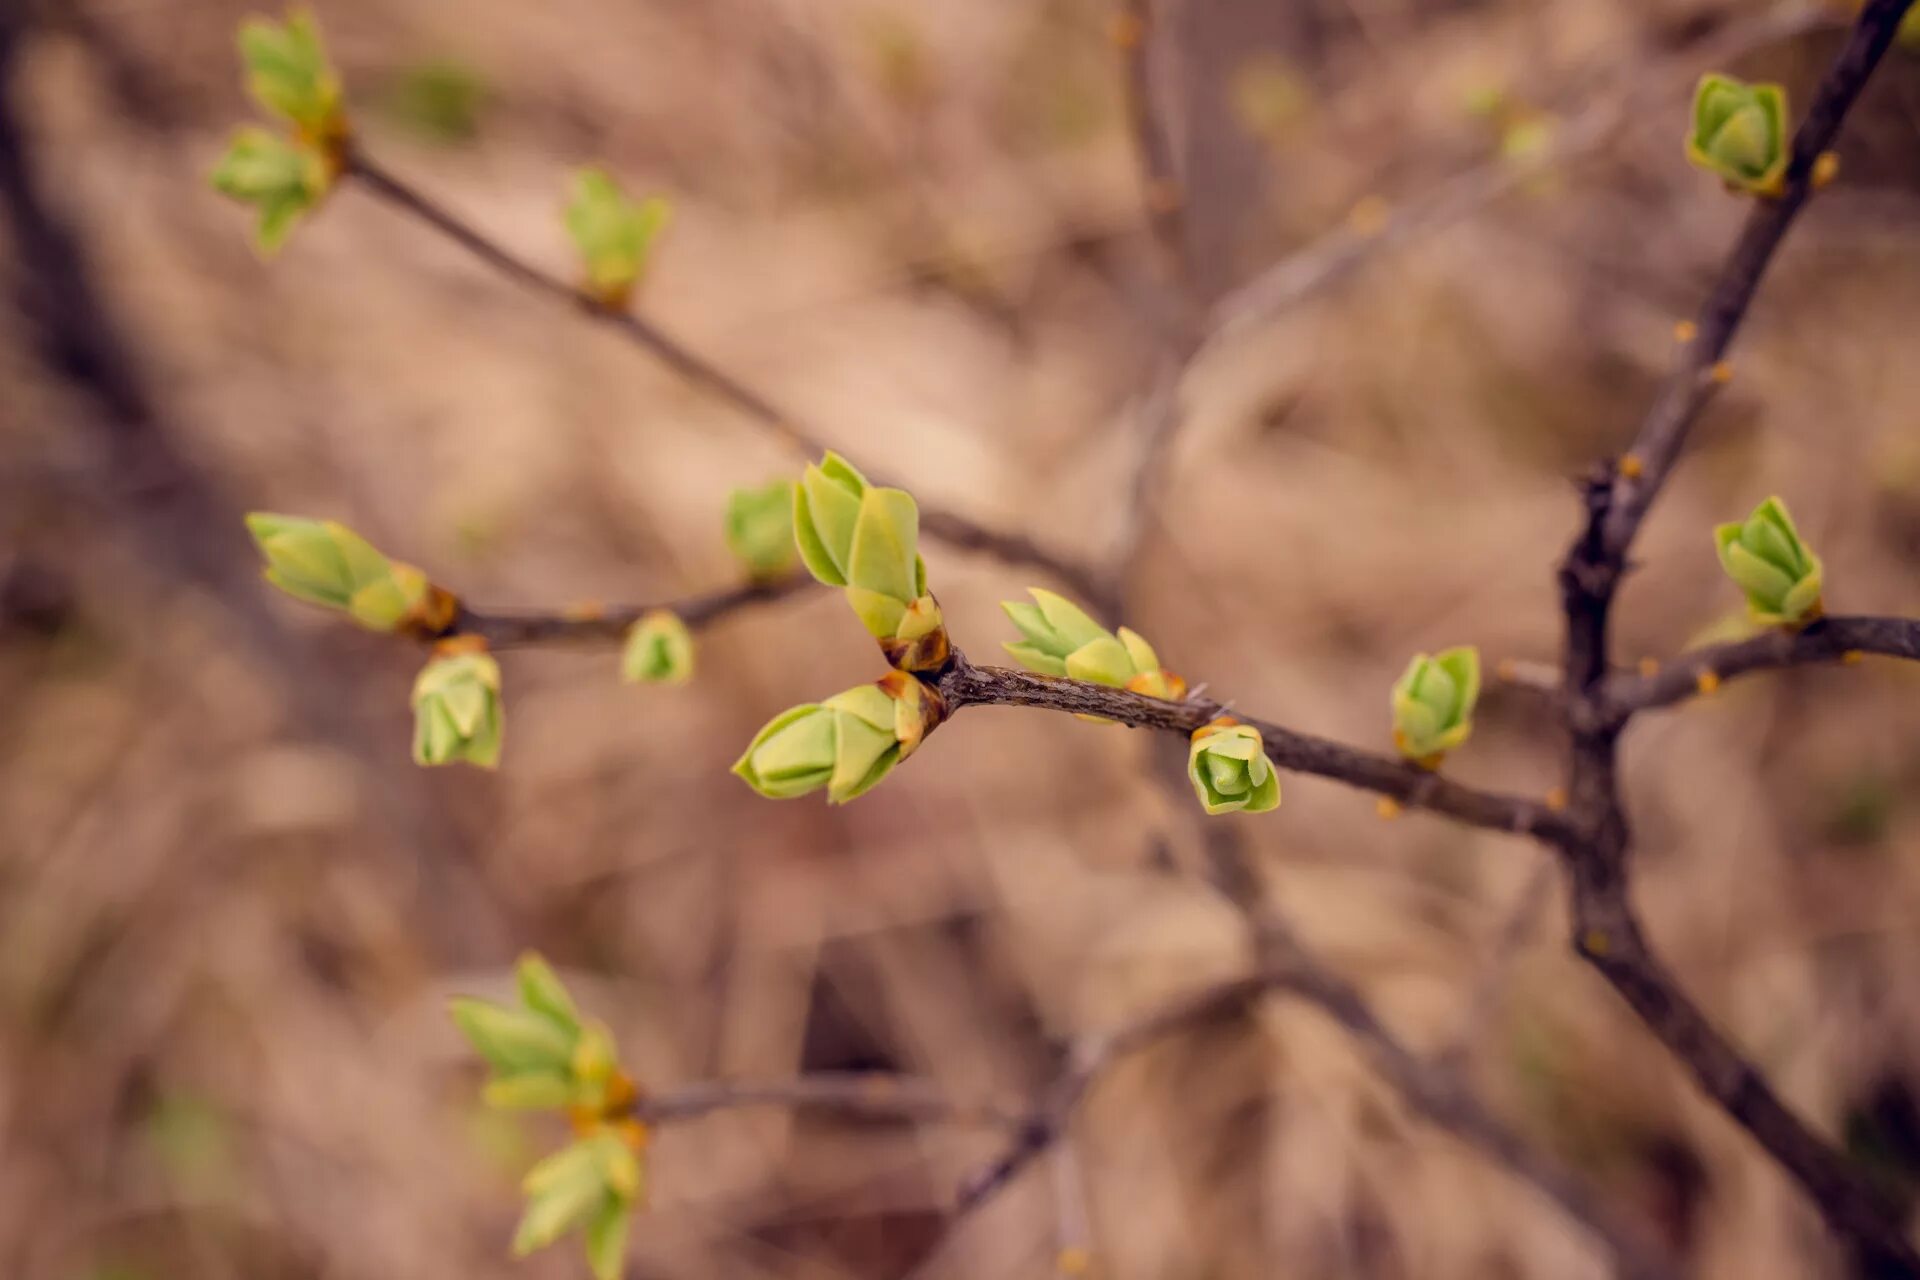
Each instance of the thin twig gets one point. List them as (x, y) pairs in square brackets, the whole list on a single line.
[(964, 685), (952, 527), (502, 628), (1701, 671)]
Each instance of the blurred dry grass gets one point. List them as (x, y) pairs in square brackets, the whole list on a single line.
[(229, 909)]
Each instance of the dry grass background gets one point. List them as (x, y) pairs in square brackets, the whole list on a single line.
[(230, 910)]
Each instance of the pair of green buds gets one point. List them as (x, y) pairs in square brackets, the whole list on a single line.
[(1765, 557), (865, 539), (542, 1055), (286, 174)]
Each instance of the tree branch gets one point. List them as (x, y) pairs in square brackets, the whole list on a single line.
[(952, 527), (964, 685), (503, 629), (1832, 639)]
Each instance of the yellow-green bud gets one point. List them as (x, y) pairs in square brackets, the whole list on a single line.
[(456, 710), (283, 179), (514, 1042), (1740, 133), (759, 528), (1228, 766), (1764, 555), (866, 539), (659, 649), (541, 990), (289, 75), (846, 744), (606, 1238), (613, 234), (563, 1191), (323, 562), (1908, 33), (1062, 640), (1433, 704)]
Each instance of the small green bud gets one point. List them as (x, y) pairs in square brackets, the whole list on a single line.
[(659, 650), (613, 235), (1433, 704), (564, 1191), (542, 991), (284, 179), (1062, 640), (456, 710), (866, 539), (1764, 555), (513, 1041), (846, 744), (1228, 766), (528, 1091), (289, 75), (326, 563), (1908, 33), (759, 528), (606, 1239), (1740, 133)]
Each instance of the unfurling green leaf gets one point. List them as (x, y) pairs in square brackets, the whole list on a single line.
[(866, 539), (289, 75), (541, 991), (592, 1185), (326, 563), (1433, 704), (846, 744), (659, 650), (1740, 133), (456, 710), (1062, 640), (514, 1042), (285, 180), (759, 528), (1228, 766), (1765, 557), (613, 234)]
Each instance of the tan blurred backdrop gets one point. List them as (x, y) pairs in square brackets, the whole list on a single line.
[(230, 909)]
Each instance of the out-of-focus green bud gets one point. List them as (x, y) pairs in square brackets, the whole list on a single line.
[(542, 991), (759, 528), (323, 562), (614, 235), (288, 74), (456, 708), (1766, 558), (606, 1240), (866, 539), (1740, 133), (659, 650), (1061, 640), (1228, 766), (846, 744), (1433, 704), (283, 179), (1908, 33), (514, 1042), (528, 1091)]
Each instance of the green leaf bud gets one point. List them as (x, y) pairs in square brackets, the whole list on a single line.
[(1740, 133), (1433, 704), (846, 744), (613, 234), (1228, 766), (513, 1041), (1765, 557), (1060, 639), (564, 1191), (606, 1239), (528, 1091), (659, 650), (288, 74), (326, 563), (456, 708), (759, 528), (864, 538), (542, 991), (285, 180)]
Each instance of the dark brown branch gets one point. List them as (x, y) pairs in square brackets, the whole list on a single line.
[(1692, 384), (965, 685), (503, 629), (1607, 933), (954, 528), (1701, 670)]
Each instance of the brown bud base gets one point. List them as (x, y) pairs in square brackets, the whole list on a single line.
[(433, 617), (928, 654), (921, 696)]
